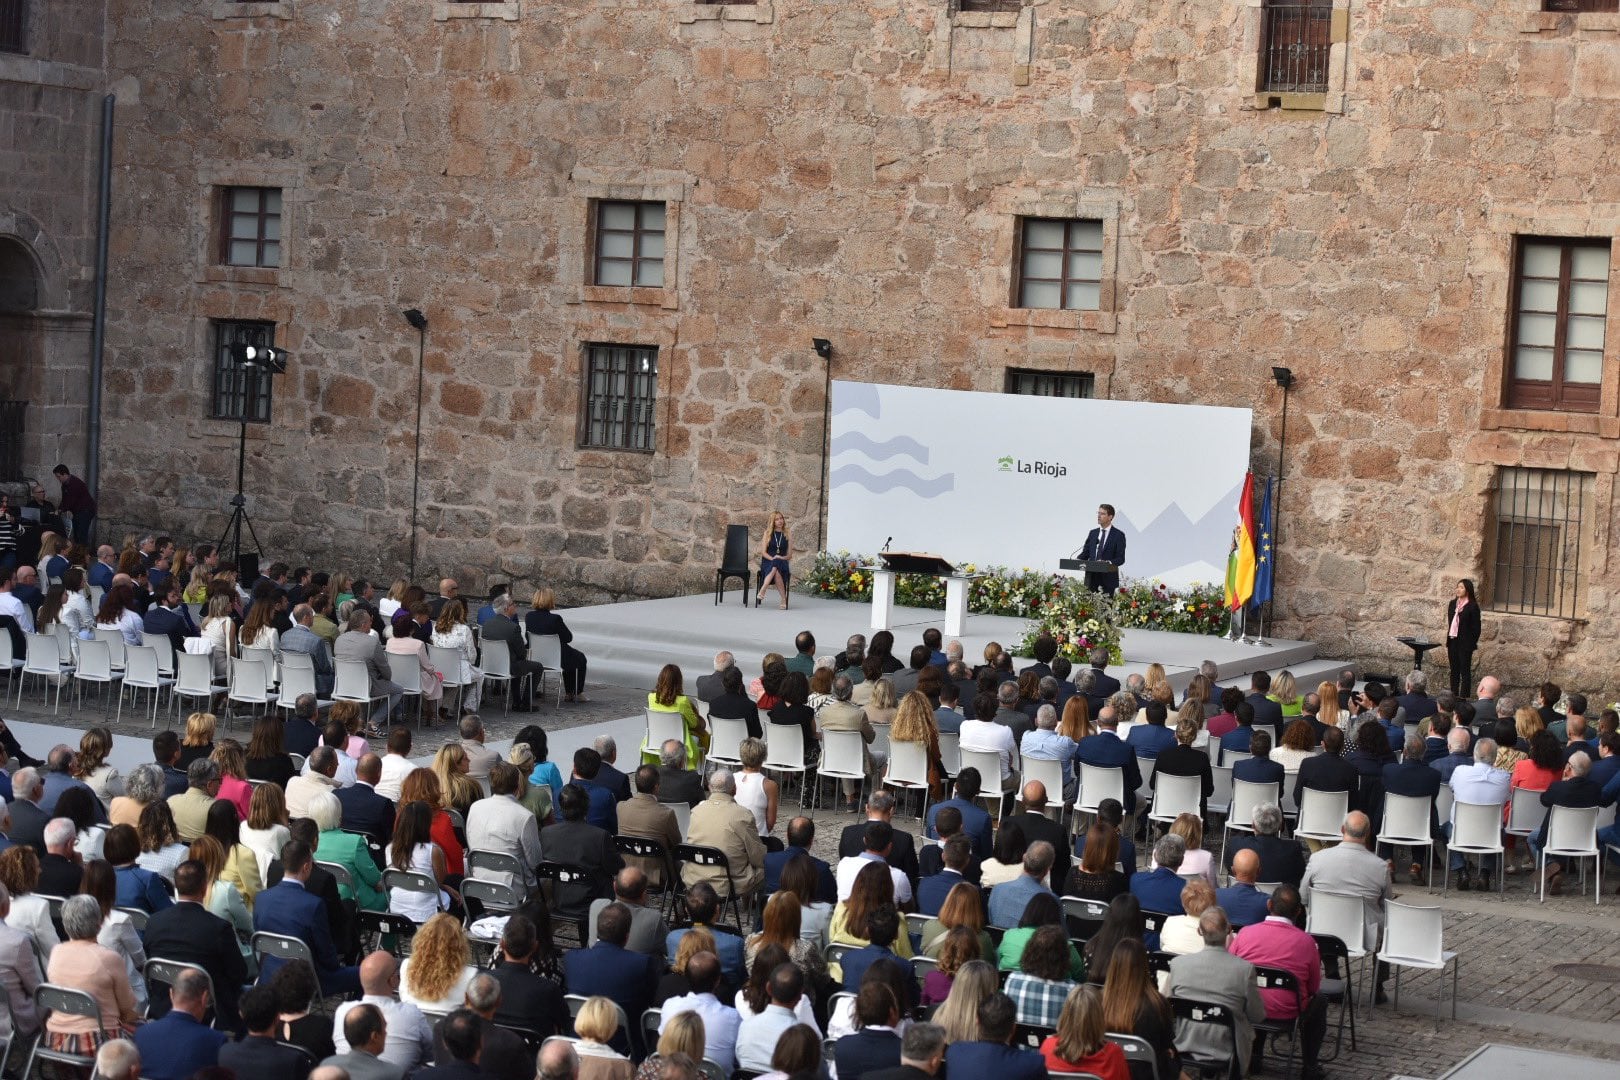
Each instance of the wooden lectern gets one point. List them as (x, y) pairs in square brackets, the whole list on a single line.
[(891, 563)]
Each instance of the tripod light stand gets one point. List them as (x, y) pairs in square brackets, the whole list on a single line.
[(250, 358)]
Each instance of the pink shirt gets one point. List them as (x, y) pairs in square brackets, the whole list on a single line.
[(1220, 724), (239, 793), (1278, 943)]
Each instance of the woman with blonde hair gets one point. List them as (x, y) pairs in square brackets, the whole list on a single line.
[(1198, 689), (669, 695), (535, 798), (959, 1014), (1328, 713), (775, 550), (1285, 692), (196, 590), (1180, 933), (683, 1034), (1154, 677), (266, 828), (452, 632), (675, 983), (435, 976), (452, 767), (914, 723), (881, 707), (233, 781), (1190, 827), (992, 657), (1080, 1044), (90, 765), (546, 622), (219, 631), (596, 1025), (222, 898), (198, 742), (52, 561), (1076, 722), (756, 792), (388, 605)]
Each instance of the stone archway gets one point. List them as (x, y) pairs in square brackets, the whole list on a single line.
[(44, 357)]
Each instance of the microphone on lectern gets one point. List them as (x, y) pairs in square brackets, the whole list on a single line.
[(887, 542)]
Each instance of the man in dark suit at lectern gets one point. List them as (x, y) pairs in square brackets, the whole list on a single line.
[(1104, 544)]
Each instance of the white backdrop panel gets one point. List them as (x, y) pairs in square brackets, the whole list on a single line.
[(1015, 480)]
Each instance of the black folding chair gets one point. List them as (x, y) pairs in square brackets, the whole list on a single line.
[(643, 847), (1205, 1012), (386, 931), (699, 855), (1336, 988), (1270, 978), (565, 874)]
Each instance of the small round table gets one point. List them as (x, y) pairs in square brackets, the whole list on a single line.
[(1419, 646)]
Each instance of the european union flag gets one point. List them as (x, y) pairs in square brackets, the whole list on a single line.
[(1263, 561)]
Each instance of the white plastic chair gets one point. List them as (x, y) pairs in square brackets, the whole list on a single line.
[(193, 680), (1406, 822), (1414, 937), (44, 661), (267, 658), (9, 662), (683, 816), (950, 752), (447, 662), (1175, 795), (907, 770), (1321, 815), (1572, 834), (843, 757), (725, 741), (406, 671), (296, 681), (352, 682), (988, 763), (1220, 796), (662, 725), (1525, 813), (1476, 829), (1050, 774), (1246, 795), (95, 666), (1341, 916), (165, 653), (496, 664), (141, 673), (784, 752), (1097, 784), (1144, 770), (546, 650), (248, 685)]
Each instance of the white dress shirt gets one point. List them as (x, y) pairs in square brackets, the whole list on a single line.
[(757, 1036), (10, 605), (720, 1024), (989, 737), (410, 1040), (394, 771), (849, 867), (1480, 783)]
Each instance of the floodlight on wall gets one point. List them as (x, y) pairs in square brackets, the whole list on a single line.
[(823, 347), (264, 357), (1283, 376), (415, 317)]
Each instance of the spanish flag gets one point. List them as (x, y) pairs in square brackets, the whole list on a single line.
[(1240, 563)]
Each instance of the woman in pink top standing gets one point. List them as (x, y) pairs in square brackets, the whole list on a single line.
[(1462, 637)]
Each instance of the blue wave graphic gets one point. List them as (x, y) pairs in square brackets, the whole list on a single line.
[(880, 451), (859, 397), (904, 479)]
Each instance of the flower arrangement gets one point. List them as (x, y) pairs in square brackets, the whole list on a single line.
[(1060, 605)]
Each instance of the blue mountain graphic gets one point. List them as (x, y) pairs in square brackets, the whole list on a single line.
[(859, 397), (1171, 540)]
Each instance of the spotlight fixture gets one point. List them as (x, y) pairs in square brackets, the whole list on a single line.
[(1283, 376), (823, 347), (266, 357), (415, 318)]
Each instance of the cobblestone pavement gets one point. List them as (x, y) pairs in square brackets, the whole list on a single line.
[(1509, 990)]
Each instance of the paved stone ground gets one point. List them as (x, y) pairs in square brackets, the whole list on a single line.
[(1508, 990)]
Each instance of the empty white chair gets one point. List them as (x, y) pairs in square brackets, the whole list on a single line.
[(662, 725), (43, 661), (1220, 799), (497, 668), (784, 752), (1525, 813), (1097, 784), (950, 752), (95, 666), (193, 681), (1407, 823), (725, 740), (352, 682), (8, 662), (141, 673), (266, 658), (908, 768), (683, 817), (1174, 796), (248, 685), (843, 757), (1572, 834), (1321, 815), (447, 662), (115, 646), (165, 653), (1414, 937), (1344, 917)]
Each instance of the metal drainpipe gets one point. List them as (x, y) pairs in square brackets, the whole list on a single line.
[(98, 330)]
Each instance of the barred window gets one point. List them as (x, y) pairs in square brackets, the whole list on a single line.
[(1580, 5), (241, 393), (1069, 384), (1296, 43), (1060, 264), (14, 26), (250, 227), (989, 5), (1539, 540), (630, 243), (621, 391), (1560, 309)]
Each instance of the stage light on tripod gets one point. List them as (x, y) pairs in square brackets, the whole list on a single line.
[(267, 357)]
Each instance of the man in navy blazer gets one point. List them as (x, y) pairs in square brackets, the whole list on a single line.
[(1151, 739), (604, 805), (1159, 889), (1416, 701), (975, 820), (1244, 904), (1411, 777), (290, 908), (610, 969), (1103, 685), (258, 1054), (300, 735), (932, 890), (1238, 739), (1105, 543), (1260, 769), (1107, 750), (364, 810), (179, 1044), (801, 833), (990, 1054), (875, 1045), (1267, 713)]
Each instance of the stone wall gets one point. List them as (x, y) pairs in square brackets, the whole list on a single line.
[(50, 115), (851, 169)]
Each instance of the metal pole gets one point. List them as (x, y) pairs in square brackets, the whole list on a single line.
[(826, 429), (98, 328), (416, 466), (1276, 514)]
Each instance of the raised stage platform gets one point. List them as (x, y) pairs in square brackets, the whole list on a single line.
[(627, 643)]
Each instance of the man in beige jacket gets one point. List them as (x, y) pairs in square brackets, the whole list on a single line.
[(718, 822), (842, 714), (644, 816)]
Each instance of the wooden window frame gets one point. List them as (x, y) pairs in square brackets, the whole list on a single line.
[(228, 215), (1083, 379), (248, 390), (989, 6), (1553, 395), (648, 428), (1581, 6), (636, 233), (1063, 281)]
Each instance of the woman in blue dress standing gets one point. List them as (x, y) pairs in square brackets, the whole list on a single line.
[(773, 561)]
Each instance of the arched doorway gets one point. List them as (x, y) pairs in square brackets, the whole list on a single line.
[(21, 351)]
